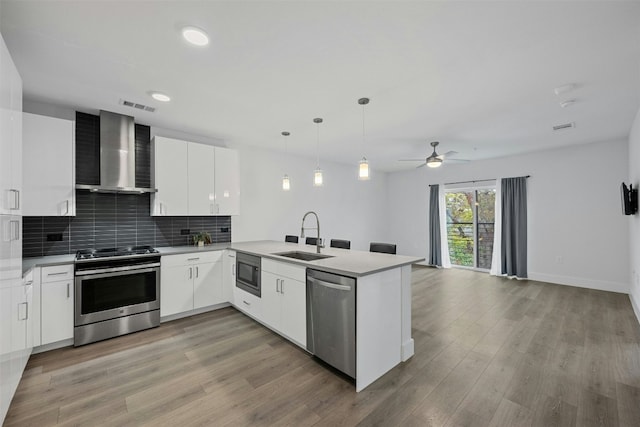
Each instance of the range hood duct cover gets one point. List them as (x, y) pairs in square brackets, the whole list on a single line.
[(117, 156)]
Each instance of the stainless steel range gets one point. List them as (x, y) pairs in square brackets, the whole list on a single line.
[(117, 291)]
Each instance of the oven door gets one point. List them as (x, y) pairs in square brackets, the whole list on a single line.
[(112, 294), (248, 277)]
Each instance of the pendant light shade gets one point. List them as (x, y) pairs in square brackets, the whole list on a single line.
[(317, 174), (286, 184), (317, 177), (363, 169)]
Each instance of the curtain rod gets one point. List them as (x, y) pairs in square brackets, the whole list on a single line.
[(477, 180)]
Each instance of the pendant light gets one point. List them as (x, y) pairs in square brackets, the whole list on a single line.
[(286, 184), (363, 169), (317, 174)]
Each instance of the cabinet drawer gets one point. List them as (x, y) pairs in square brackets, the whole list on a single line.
[(284, 269), (57, 273), (248, 303), (192, 258)]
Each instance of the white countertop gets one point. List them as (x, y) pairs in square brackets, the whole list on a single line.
[(343, 261)]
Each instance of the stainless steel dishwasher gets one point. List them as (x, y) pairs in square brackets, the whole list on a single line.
[(331, 319)]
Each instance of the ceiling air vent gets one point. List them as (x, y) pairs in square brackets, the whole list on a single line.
[(137, 106), (564, 126)]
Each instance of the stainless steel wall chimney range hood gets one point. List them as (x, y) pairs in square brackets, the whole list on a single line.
[(117, 156)]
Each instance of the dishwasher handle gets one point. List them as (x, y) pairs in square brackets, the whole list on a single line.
[(313, 280)]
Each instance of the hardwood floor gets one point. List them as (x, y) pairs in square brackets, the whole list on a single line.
[(489, 352)]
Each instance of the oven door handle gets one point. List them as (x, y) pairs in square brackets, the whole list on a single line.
[(117, 269)]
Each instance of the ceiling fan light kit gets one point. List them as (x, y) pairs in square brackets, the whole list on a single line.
[(434, 162)]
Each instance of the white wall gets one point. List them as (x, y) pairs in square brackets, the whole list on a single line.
[(634, 233), (577, 234), (348, 208)]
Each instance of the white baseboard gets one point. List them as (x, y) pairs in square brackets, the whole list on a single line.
[(53, 346), (193, 312), (581, 282), (636, 307)]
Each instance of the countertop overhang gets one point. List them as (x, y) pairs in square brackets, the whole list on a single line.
[(343, 261)]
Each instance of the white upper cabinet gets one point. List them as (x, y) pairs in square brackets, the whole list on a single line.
[(169, 168), (193, 179), (201, 179), (49, 168), (227, 194), (10, 135)]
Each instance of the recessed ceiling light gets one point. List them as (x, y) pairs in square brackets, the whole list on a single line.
[(564, 88), (195, 36), (158, 96), (567, 103)]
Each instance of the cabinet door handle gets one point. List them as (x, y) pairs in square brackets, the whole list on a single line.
[(193, 259), (282, 286), (26, 311), (197, 272), (160, 208), (277, 283), (233, 269), (217, 207), (16, 200), (246, 303), (68, 292), (57, 274), (190, 272), (15, 230), (66, 212)]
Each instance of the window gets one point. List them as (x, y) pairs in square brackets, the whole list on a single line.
[(470, 225)]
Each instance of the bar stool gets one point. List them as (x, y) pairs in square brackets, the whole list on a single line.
[(291, 239), (338, 243), (385, 248)]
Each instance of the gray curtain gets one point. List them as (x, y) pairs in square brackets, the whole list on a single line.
[(514, 227), (435, 255)]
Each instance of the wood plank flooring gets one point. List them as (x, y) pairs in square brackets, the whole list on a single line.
[(489, 352)]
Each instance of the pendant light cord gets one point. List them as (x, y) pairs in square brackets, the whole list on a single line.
[(364, 145), (318, 147)]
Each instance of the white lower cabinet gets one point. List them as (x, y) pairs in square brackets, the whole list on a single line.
[(190, 281), (56, 304), (247, 303), (284, 299), (15, 337)]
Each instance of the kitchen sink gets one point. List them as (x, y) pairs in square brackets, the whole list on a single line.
[(304, 256)]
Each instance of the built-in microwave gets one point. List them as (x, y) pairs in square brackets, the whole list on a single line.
[(248, 273)]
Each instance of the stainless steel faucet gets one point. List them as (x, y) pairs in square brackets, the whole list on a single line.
[(318, 241)]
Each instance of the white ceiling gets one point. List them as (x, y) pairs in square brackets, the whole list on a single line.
[(476, 76)]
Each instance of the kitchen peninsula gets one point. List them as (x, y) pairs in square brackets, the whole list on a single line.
[(383, 299)]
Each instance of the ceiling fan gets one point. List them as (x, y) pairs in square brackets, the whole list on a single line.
[(435, 160)]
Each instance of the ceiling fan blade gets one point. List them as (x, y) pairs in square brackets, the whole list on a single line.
[(411, 160), (457, 160), (422, 165), (447, 154)]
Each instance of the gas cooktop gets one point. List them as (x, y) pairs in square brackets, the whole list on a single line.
[(115, 252)]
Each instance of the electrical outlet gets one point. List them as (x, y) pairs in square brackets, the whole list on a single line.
[(185, 231)]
